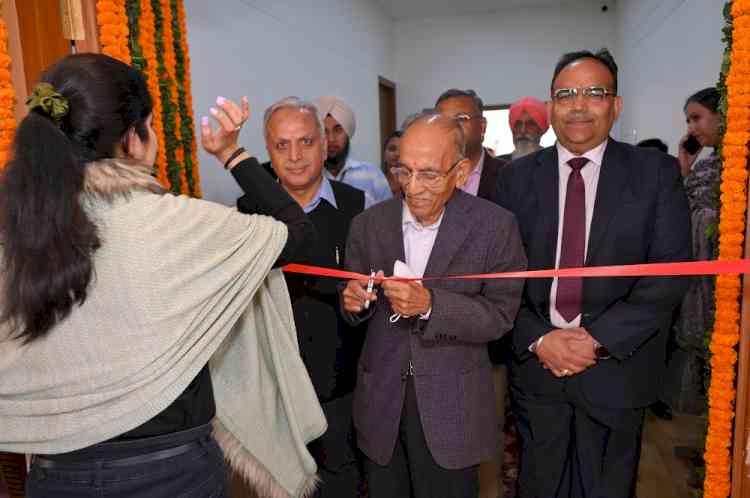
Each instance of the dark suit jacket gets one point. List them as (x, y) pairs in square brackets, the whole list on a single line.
[(488, 180), (328, 346), (453, 377), (640, 216)]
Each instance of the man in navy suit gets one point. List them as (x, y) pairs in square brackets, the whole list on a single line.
[(589, 353)]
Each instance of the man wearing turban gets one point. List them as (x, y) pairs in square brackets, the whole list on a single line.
[(528, 121), (340, 123)]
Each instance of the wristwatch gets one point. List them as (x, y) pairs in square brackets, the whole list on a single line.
[(601, 352)]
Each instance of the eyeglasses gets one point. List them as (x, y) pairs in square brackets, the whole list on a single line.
[(465, 117), (428, 178), (591, 93)]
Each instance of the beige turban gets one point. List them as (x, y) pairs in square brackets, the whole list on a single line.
[(340, 111)]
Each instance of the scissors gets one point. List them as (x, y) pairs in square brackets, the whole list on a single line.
[(370, 283)]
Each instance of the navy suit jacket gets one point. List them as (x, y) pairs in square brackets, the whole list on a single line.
[(641, 215)]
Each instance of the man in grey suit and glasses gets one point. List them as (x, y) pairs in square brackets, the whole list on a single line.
[(424, 405)]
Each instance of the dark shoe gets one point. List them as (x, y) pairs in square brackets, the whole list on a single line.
[(661, 410)]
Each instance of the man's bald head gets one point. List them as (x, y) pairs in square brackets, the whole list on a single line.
[(432, 121)]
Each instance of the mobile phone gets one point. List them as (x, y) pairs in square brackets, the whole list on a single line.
[(691, 145)]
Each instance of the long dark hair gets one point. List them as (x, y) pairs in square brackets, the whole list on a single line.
[(47, 238)]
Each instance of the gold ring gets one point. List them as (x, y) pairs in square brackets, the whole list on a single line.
[(566, 372)]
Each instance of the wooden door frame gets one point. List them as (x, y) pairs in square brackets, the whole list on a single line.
[(740, 478), (392, 86), (10, 15)]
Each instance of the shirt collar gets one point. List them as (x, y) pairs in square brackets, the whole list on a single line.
[(595, 155), (409, 221), (480, 165), (325, 191)]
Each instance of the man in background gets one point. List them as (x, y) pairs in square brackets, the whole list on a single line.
[(528, 122), (340, 124), (329, 347)]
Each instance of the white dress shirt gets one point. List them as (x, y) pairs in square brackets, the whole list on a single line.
[(418, 240), (590, 174)]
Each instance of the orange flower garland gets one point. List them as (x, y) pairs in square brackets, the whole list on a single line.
[(726, 332), (7, 98), (189, 97), (169, 63), (113, 29), (148, 49)]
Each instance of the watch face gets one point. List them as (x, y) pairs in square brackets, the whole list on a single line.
[(601, 352)]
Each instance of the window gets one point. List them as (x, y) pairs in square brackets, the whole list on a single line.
[(498, 136)]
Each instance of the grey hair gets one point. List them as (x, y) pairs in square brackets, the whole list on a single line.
[(293, 103), (433, 117), (455, 92)]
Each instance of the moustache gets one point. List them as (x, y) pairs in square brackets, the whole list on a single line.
[(576, 117)]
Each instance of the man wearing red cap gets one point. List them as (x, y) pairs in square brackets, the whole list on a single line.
[(528, 121)]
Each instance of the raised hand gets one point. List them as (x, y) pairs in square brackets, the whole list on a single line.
[(223, 141), (685, 158)]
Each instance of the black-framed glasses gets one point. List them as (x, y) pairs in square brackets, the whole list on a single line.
[(591, 93), (428, 178)]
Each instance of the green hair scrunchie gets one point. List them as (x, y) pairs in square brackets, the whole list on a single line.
[(52, 103)]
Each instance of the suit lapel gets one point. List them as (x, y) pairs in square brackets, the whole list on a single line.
[(488, 179), (453, 231), (392, 238), (546, 183), (612, 179), (546, 214)]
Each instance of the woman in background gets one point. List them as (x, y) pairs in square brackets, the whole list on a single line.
[(701, 179)]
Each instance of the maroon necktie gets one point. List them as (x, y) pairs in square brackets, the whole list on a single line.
[(573, 247)]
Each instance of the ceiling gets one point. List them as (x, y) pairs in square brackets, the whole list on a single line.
[(404, 9)]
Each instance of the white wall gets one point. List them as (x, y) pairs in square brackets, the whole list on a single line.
[(667, 50), (269, 49), (503, 55)]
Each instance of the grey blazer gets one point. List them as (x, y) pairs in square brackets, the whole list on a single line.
[(452, 372)]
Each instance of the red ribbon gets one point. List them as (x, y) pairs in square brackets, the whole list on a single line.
[(720, 267)]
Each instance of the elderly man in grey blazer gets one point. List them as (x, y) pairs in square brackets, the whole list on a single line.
[(424, 405)]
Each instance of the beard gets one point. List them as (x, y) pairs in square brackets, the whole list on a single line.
[(524, 146), (335, 163)]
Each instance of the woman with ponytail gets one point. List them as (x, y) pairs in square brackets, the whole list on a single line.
[(114, 296)]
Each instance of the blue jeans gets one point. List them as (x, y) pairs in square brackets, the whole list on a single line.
[(189, 465)]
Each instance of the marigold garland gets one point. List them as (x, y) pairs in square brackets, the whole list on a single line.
[(163, 39), (152, 36), (726, 332), (146, 33), (170, 63), (7, 98), (114, 35), (182, 71)]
